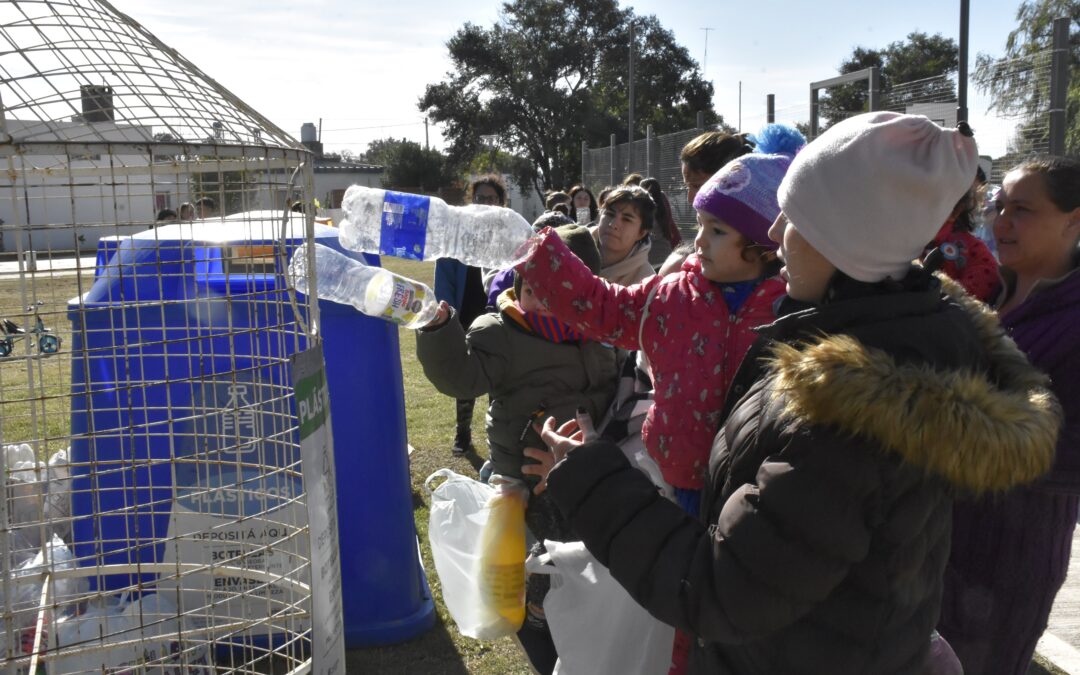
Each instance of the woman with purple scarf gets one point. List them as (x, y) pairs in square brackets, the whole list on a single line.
[(1011, 553)]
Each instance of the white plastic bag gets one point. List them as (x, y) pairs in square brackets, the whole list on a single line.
[(456, 525), (26, 585), (36, 492), (597, 627), (58, 501), (146, 635)]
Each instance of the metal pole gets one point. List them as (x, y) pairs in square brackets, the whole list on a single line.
[(770, 108), (740, 105), (650, 156), (875, 89), (611, 171), (630, 101), (962, 74), (584, 160), (813, 113), (1059, 85), (427, 146)]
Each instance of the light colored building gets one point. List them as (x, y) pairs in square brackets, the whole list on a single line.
[(67, 201), (333, 175), (943, 114)]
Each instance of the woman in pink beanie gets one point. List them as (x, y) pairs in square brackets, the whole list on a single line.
[(879, 393)]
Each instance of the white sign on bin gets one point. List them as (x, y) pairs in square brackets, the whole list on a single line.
[(235, 504), (317, 453)]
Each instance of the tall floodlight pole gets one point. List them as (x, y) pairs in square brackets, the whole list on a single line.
[(962, 74), (705, 56)]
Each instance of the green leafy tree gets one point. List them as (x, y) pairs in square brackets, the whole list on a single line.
[(408, 165), (906, 62), (1018, 84), (379, 151), (553, 73), (492, 160)]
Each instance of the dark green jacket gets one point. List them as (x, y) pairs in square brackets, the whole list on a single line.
[(520, 372)]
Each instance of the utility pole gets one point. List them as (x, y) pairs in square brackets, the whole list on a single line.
[(1059, 84), (427, 146), (705, 57), (630, 102), (962, 74)]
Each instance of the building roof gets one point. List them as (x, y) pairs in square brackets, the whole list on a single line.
[(346, 167)]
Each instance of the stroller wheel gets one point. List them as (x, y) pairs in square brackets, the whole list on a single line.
[(49, 344)]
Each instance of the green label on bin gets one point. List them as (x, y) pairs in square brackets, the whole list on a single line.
[(312, 402)]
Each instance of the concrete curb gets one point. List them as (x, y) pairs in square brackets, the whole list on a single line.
[(1055, 656)]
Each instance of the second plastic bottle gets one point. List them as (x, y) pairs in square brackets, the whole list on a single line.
[(372, 290)]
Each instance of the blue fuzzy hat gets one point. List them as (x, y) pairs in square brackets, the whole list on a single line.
[(743, 192)]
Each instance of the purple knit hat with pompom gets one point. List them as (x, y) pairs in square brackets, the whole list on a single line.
[(743, 192)]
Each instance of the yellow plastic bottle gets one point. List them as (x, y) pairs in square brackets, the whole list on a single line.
[(502, 560)]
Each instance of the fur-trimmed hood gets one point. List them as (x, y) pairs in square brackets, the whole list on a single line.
[(980, 431)]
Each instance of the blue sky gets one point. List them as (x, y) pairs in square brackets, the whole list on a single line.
[(361, 65)]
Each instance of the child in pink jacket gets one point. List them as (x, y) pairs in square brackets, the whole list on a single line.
[(696, 325)]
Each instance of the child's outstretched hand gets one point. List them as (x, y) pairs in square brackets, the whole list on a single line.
[(559, 442), (441, 316)]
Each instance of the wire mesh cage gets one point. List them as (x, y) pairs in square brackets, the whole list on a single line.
[(155, 518)]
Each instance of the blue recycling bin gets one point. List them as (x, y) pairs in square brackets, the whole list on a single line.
[(171, 332)]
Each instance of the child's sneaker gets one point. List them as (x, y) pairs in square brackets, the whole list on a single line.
[(462, 445)]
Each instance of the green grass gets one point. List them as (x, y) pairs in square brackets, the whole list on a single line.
[(35, 407), (34, 389)]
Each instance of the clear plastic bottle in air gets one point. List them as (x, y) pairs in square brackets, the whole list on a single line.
[(425, 228), (372, 290)]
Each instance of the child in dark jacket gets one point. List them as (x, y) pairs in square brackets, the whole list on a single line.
[(529, 364)]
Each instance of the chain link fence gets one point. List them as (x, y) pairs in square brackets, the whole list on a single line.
[(652, 156), (1023, 121), (1025, 117)]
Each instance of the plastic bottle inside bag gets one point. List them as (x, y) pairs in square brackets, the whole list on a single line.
[(502, 556)]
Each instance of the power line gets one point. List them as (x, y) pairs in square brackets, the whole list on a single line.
[(378, 126)]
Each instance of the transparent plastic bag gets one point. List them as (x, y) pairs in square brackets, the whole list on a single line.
[(26, 585), (477, 535)]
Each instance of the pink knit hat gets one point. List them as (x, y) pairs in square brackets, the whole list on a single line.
[(872, 191)]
